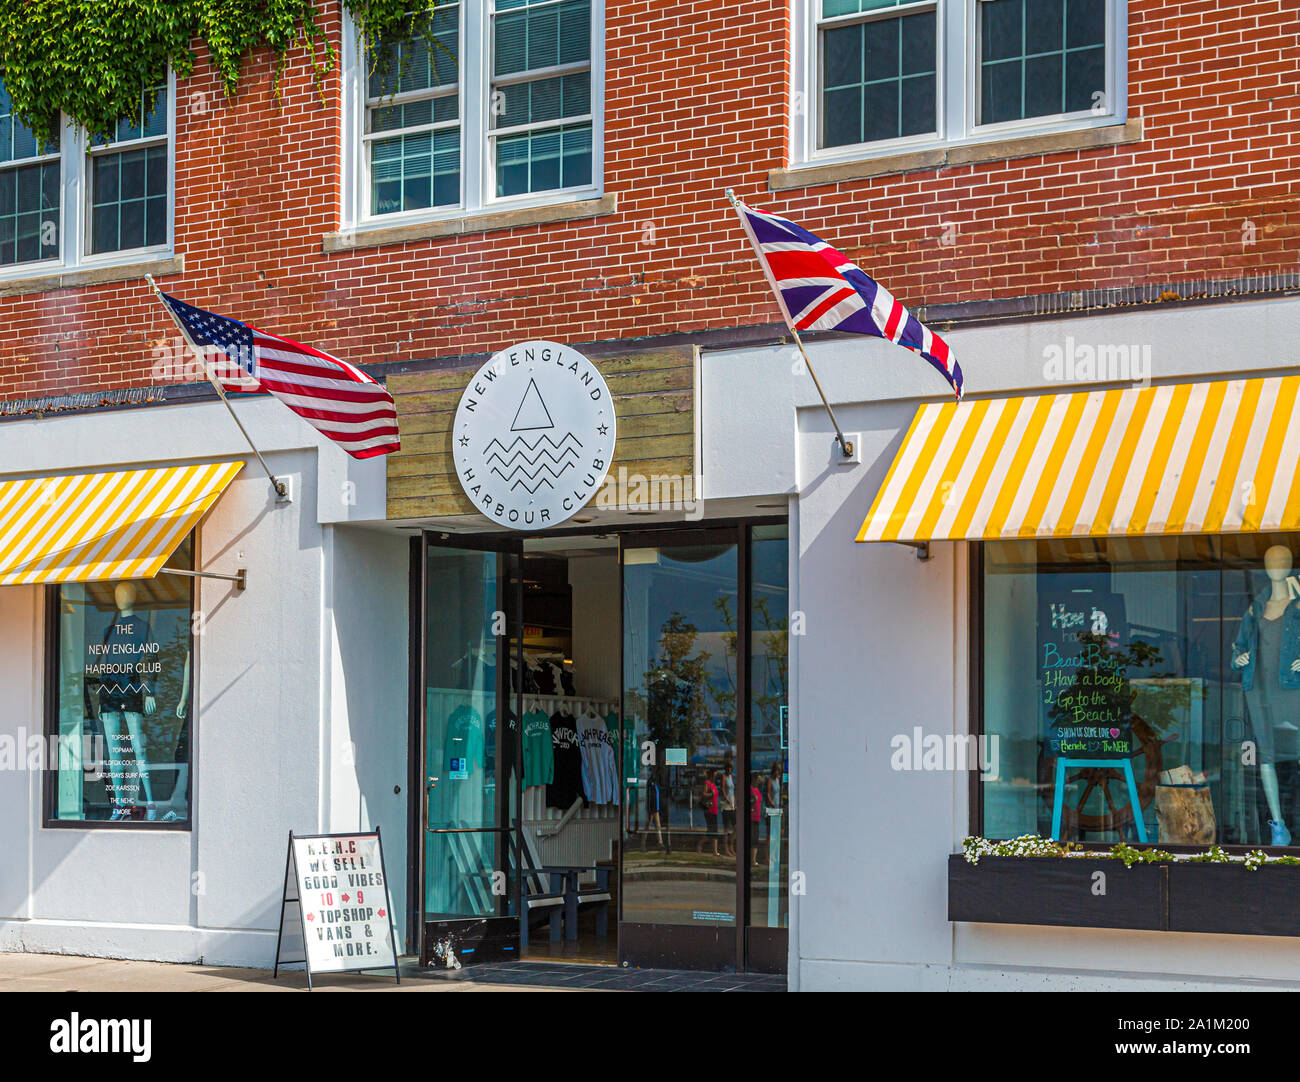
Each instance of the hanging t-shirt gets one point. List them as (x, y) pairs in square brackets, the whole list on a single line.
[(599, 762), (566, 748), (464, 752), (629, 747), (122, 669), (539, 755)]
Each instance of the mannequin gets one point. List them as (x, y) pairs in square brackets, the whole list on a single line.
[(126, 697), (1267, 654)]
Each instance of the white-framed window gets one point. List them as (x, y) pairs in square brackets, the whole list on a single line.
[(83, 201), (500, 106), (877, 77)]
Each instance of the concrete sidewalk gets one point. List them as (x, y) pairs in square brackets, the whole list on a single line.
[(69, 973)]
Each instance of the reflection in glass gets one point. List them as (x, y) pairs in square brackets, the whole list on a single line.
[(123, 698), (462, 734), (769, 668), (1179, 656), (679, 855)]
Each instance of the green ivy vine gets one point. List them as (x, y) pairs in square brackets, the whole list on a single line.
[(90, 59)]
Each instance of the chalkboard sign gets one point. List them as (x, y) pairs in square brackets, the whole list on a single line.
[(340, 887), (1085, 699)]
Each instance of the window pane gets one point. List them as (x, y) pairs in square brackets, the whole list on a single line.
[(412, 172), (867, 94), (544, 160), (534, 35), (29, 213), (128, 199), (422, 64), (842, 120), (1085, 23), (1171, 657), (1040, 57), (122, 703), (679, 642), (831, 8), (1043, 85), (148, 120), (918, 106), (1044, 26), (17, 140), (1002, 29), (1000, 92), (1085, 79), (842, 57)]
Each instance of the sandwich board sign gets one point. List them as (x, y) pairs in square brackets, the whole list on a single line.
[(340, 886)]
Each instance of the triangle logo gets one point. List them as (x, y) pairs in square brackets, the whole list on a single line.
[(532, 413)]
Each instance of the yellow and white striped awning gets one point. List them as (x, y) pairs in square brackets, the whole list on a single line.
[(94, 526), (1191, 458)]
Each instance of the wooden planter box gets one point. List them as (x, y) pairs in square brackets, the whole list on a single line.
[(1177, 897)]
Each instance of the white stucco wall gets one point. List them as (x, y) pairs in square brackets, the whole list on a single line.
[(300, 719), (886, 650)]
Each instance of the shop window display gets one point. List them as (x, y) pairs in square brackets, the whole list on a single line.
[(120, 710), (1176, 657)]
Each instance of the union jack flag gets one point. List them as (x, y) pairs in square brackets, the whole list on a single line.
[(339, 401), (821, 289)]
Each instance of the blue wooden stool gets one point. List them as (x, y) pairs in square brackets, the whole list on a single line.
[(1107, 764)]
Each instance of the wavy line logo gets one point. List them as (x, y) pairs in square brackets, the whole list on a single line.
[(534, 434)]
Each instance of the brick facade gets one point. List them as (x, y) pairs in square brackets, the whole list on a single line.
[(696, 101)]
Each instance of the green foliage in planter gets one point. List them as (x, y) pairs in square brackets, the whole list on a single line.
[(89, 59), (1031, 845)]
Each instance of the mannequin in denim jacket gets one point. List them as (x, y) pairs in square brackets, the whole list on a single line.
[(1285, 683)]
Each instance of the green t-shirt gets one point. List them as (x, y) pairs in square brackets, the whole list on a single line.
[(539, 755)]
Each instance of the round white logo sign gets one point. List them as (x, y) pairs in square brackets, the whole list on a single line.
[(533, 436)]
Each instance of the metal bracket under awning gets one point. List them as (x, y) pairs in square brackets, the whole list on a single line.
[(239, 578), (922, 548)]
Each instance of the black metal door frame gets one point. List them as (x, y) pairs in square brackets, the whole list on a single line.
[(687, 946), (495, 936)]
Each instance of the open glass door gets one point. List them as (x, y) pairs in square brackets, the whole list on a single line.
[(470, 745)]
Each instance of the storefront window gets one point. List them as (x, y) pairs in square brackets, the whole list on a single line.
[(679, 679), (121, 699), (1171, 661)]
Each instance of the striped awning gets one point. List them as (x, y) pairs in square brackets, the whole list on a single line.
[(1191, 458), (90, 527)]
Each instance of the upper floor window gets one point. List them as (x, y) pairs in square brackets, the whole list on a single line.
[(30, 189), (1041, 58), (128, 180), (881, 75), (498, 103), (541, 95), (83, 200)]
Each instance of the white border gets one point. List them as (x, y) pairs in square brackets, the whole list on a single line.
[(477, 174), (74, 199), (956, 87)]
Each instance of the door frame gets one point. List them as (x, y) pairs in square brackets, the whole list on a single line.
[(742, 948), (492, 933)]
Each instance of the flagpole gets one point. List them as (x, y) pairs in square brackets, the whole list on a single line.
[(280, 488), (845, 446)]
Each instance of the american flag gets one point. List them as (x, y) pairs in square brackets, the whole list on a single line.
[(821, 289), (340, 401)]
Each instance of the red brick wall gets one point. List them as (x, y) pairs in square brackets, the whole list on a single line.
[(695, 102)]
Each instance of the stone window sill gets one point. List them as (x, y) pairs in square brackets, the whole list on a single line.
[(1023, 146), (346, 240), (159, 267)]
